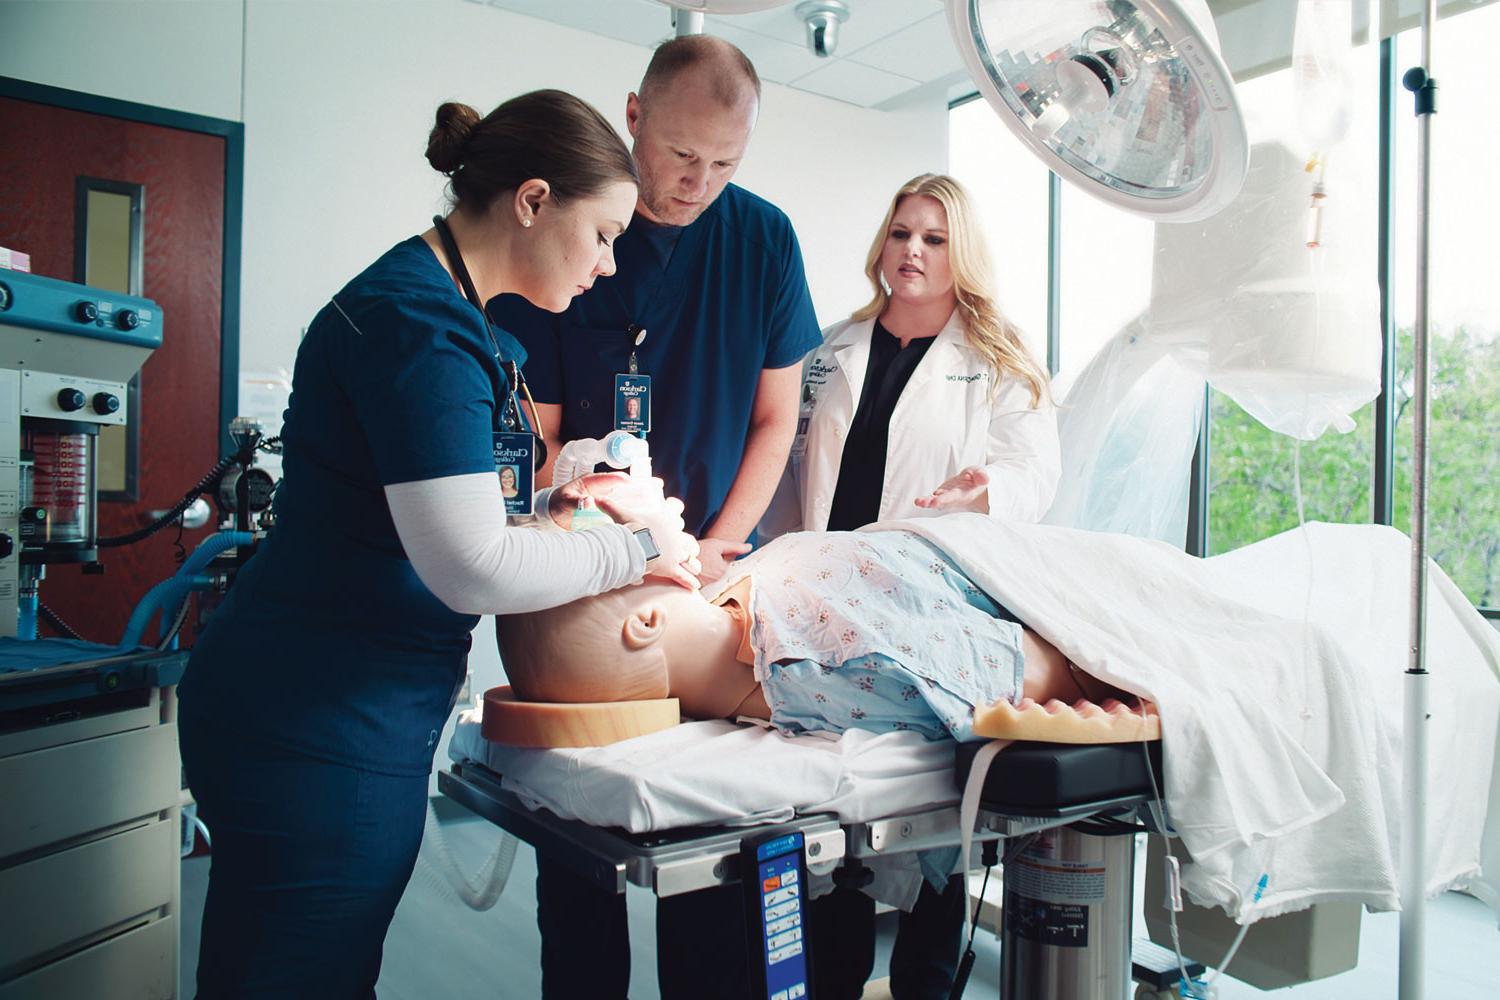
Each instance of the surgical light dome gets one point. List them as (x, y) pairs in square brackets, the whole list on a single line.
[(1128, 99)]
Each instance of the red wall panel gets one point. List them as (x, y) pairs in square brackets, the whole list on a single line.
[(42, 150)]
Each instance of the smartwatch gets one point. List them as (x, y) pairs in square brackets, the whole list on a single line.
[(646, 541)]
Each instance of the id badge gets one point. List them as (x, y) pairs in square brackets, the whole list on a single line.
[(513, 464), (809, 403), (799, 442), (633, 403)]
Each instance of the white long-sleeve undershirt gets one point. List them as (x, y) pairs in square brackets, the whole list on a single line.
[(454, 532)]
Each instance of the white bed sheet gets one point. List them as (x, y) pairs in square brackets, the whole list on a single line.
[(720, 773)]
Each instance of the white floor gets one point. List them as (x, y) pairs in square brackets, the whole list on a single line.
[(438, 947)]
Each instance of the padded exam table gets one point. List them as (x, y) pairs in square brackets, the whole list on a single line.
[(1069, 887)]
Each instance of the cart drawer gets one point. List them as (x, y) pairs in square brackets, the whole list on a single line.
[(66, 897), (140, 964), (71, 790)]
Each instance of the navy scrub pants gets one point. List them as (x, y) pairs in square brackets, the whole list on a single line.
[(700, 937), (309, 861)]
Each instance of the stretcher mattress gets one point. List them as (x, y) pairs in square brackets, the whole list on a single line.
[(721, 773)]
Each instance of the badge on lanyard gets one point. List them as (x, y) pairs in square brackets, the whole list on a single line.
[(514, 451), (633, 392)]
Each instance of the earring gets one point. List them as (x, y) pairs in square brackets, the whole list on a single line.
[(526, 223)]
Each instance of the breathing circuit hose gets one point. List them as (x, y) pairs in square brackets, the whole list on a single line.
[(478, 893), (619, 449), (166, 596)]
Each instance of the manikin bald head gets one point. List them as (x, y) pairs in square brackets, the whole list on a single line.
[(655, 640)]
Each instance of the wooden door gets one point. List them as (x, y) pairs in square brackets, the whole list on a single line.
[(45, 147)]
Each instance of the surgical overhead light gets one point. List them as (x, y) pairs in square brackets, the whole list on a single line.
[(1128, 99), (687, 15), (723, 6)]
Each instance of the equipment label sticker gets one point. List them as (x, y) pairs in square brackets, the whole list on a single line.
[(1062, 925), (1057, 881)]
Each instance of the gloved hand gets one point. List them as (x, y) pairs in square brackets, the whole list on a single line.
[(626, 499), (969, 490)]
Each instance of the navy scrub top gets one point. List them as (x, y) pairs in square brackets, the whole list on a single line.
[(328, 643), (724, 300)]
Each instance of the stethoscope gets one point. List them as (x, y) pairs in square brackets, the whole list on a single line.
[(510, 414)]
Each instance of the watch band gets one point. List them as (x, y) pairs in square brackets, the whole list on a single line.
[(646, 541)]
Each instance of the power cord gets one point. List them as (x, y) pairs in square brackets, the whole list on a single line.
[(204, 485), (989, 855)]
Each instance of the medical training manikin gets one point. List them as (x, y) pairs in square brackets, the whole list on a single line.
[(1274, 681), (815, 631)]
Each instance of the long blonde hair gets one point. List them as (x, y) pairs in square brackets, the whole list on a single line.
[(996, 338)]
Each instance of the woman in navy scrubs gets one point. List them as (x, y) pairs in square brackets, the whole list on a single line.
[(313, 702)]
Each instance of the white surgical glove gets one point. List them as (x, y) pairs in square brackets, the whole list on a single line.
[(643, 502)]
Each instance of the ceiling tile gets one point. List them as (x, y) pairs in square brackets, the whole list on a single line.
[(776, 61), (924, 51), (856, 84), (869, 21), (640, 22)]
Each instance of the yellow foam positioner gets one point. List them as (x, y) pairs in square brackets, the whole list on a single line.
[(517, 723), (1057, 722)]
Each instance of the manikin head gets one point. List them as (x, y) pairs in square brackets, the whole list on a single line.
[(655, 640)]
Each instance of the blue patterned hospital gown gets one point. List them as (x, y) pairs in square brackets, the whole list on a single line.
[(877, 631)]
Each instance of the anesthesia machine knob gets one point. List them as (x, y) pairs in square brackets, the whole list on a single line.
[(70, 400), (85, 311), (127, 319), (106, 403), (7, 545)]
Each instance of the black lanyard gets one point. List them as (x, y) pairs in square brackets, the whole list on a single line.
[(511, 413)]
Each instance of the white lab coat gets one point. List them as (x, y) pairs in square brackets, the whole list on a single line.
[(945, 420)]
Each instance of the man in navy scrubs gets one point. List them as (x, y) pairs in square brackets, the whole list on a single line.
[(713, 275)]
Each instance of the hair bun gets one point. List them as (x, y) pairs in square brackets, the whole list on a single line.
[(450, 134)]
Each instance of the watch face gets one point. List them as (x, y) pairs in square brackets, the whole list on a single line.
[(648, 544)]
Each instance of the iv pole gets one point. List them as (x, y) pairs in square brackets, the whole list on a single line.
[(1419, 81)]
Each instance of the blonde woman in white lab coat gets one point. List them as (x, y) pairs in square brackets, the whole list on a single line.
[(923, 402), (926, 400)]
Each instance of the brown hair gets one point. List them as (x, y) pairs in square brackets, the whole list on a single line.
[(987, 330), (546, 134), (729, 70)]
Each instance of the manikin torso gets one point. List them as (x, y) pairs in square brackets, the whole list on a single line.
[(709, 659)]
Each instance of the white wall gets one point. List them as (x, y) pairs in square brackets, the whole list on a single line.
[(338, 97), (171, 55)]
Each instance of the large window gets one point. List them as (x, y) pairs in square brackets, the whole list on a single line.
[(1009, 188), (1463, 456), (1104, 280), (1254, 472)]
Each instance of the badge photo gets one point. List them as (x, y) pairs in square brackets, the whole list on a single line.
[(633, 403), (513, 464)]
